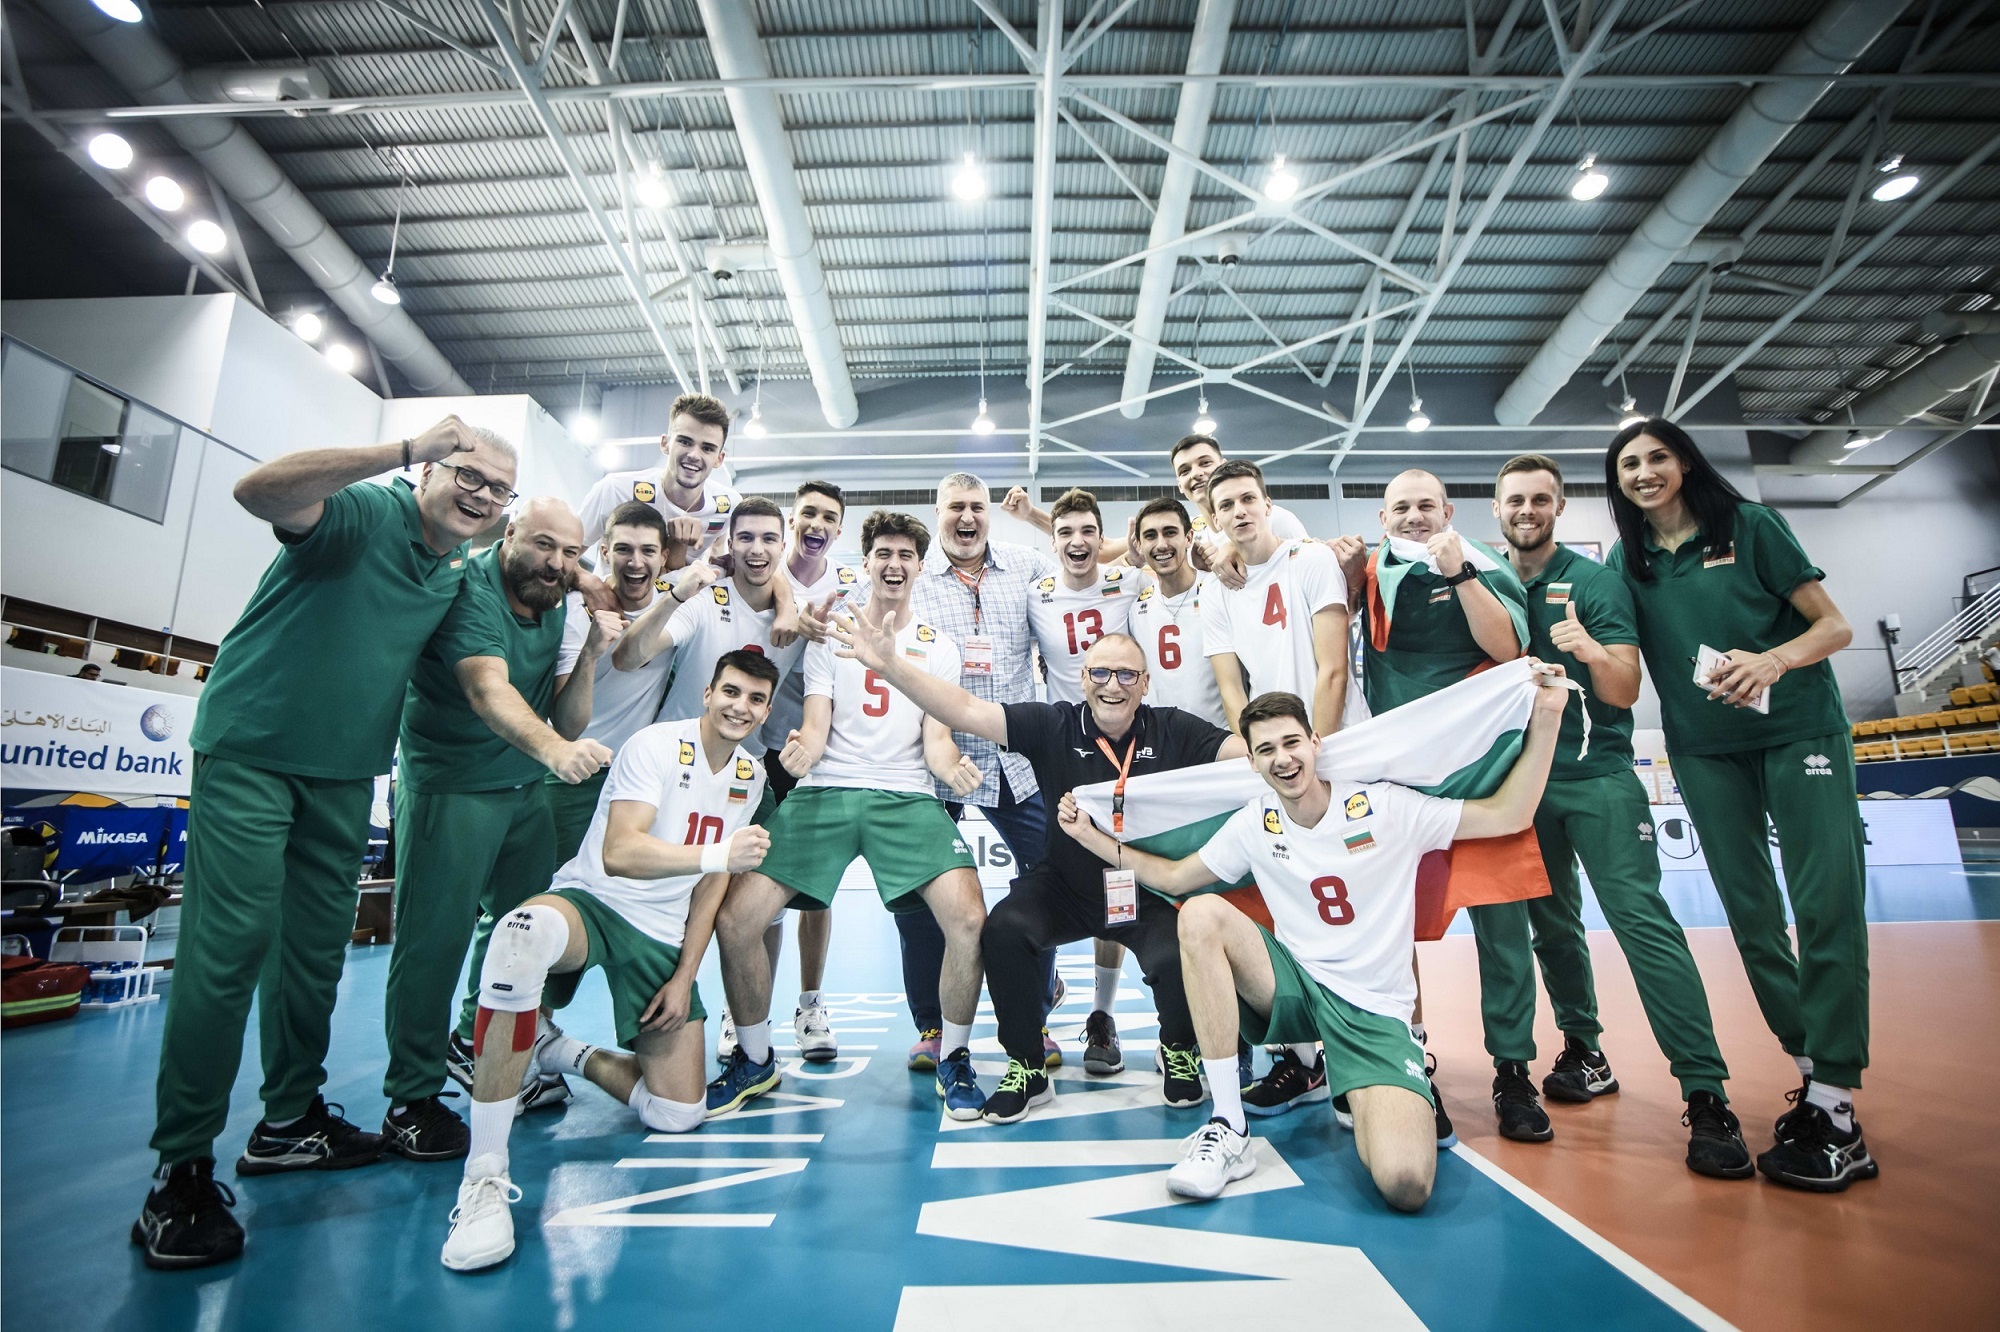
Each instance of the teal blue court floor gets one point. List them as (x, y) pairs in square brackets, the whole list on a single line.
[(844, 1201)]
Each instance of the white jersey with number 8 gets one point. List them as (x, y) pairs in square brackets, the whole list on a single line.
[(876, 741), (1065, 621)]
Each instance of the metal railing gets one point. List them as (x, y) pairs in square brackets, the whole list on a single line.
[(1968, 625)]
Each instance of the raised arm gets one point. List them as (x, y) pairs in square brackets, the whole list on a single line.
[(862, 640), (648, 635), (1512, 808), (290, 492), (1176, 878), (573, 694), (500, 705)]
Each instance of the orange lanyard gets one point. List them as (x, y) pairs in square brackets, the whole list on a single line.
[(972, 583), (1124, 766)]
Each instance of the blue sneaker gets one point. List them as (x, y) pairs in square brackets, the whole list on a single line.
[(956, 1086), (741, 1081)]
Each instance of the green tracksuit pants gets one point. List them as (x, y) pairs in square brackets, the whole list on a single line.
[(1816, 1003), (1506, 980), (462, 860), (1605, 823), (267, 905), (573, 807)]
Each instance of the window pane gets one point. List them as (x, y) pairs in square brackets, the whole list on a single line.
[(32, 391), (91, 440), (145, 465)]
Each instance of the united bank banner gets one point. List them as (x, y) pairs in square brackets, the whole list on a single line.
[(58, 733)]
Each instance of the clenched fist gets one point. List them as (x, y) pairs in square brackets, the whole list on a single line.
[(578, 760)]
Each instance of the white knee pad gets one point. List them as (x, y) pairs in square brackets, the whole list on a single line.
[(525, 943), (664, 1116)]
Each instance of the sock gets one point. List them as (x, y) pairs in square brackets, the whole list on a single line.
[(1307, 1054), (1417, 1030), (491, 1122), (1805, 1065), (957, 1036), (1228, 1096), (287, 1123), (755, 1040), (1838, 1102), (564, 1054), (808, 998), (1107, 988)]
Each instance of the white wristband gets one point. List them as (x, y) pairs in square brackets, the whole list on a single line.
[(715, 857)]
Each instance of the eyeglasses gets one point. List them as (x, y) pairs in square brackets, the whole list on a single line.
[(473, 482), (1104, 675)]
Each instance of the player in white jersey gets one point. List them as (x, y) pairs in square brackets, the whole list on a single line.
[(1166, 619), (695, 503), (865, 757), (639, 900), (1285, 629), (1337, 864), (1083, 602)]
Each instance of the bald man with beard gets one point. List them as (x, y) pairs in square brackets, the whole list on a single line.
[(484, 719)]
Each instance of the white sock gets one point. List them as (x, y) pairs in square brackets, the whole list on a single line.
[(1838, 1102), (957, 1036), (1805, 1065), (1417, 1030), (754, 1038), (1107, 988), (564, 1054), (1228, 1096), (808, 998), (491, 1122), (1307, 1054)]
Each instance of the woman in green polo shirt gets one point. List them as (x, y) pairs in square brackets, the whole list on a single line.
[(1762, 734)]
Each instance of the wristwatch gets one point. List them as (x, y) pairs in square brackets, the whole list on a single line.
[(1465, 575)]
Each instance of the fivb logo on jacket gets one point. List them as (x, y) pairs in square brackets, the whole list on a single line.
[(1818, 765)]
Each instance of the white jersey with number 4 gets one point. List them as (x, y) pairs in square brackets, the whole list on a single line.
[(876, 741), (1285, 526), (716, 620), (1267, 622), (1342, 895), (1169, 631), (663, 766), (1065, 621)]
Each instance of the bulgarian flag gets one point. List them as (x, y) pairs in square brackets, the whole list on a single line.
[(1457, 743), (1384, 578)]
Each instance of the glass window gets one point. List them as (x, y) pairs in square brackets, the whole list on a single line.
[(32, 392), (145, 463), (92, 438)]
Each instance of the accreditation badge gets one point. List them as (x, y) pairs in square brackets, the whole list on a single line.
[(1121, 897), (975, 655)]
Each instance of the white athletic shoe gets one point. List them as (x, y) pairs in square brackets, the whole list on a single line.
[(725, 1040), (1217, 1156), (815, 1034), (482, 1225)]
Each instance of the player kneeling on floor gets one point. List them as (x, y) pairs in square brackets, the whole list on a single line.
[(1337, 865), (639, 900)]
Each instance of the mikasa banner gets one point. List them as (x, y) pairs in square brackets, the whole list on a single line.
[(63, 734)]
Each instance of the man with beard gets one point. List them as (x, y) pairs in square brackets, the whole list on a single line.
[(1580, 615), (475, 834)]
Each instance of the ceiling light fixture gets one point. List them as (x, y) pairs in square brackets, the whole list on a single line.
[(1898, 180), (1863, 439), (754, 428), (982, 424), (607, 457), (122, 10), (308, 325), (1204, 424), (1629, 414), (1589, 182), (1418, 422), (341, 357), (1281, 185), (650, 188), (165, 193), (969, 183), (384, 289), (110, 151), (583, 428), (207, 237)]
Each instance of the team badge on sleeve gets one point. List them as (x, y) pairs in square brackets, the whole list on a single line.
[(1273, 824), (643, 491), (744, 770), (687, 753), (1358, 807)]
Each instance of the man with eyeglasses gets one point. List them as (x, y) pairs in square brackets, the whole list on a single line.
[(298, 718), (1069, 894)]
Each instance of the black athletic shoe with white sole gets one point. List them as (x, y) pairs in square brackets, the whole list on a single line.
[(1715, 1139), (1180, 1075), (1021, 1089), (320, 1139), (426, 1130), (1343, 1113), (458, 1056), (186, 1220), (1786, 1124), (1514, 1103), (1289, 1085), (1581, 1074), (1818, 1157), (1447, 1136), (1101, 1055)]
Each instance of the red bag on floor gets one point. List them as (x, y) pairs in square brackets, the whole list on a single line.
[(33, 991)]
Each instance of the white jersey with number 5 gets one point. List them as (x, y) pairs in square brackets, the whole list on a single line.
[(1342, 895), (876, 741), (663, 766), (1169, 631), (1267, 622), (1065, 621)]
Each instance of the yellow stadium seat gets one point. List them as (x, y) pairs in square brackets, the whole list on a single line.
[(1961, 696), (1989, 714), (1973, 744), (1931, 744)]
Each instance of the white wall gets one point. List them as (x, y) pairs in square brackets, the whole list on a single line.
[(166, 351)]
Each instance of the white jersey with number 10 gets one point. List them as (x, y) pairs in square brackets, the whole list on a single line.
[(876, 741)]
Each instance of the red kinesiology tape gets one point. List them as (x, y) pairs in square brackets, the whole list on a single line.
[(524, 1032)]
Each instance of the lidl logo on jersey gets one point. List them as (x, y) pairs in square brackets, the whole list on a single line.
[(1273, 824), (1818, 765), (643, 491), (1645, 832), (926, 634), (739, 795), (1357, 842), (1358, 806), (1114, 583), (722, 504), (687, 753), (1145, 594), (845, 576), (1559, 594), (744, 770), (1047, 587), (720, 593)]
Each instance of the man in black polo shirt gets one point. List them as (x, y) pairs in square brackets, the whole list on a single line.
[(1069, 895)]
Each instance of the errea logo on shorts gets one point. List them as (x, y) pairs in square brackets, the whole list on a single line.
[(1818, 765), (1413, 1068)]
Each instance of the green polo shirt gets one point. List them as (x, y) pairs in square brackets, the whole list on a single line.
[(1604, 607), (1736, 597), (446, 746), (1430, 643), (310, 678)]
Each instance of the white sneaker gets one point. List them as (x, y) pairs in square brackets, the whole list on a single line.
[(725, 1041), (1217, 1156), (482, 1225), (815, 1034)]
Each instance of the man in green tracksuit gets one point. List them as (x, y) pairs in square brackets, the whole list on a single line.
[(475, 834), (1580, 615), (297, 719), (1437, 607)]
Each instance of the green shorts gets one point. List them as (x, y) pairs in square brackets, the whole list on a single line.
[(907, 840), (635, 964), (1363, 1049)]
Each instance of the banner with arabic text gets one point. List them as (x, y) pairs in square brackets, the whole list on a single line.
[(58, 733)]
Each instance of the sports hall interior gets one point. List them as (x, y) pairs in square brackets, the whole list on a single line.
[(1036, 241)]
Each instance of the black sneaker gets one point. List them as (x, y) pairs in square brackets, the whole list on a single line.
[(1447, 1136), (1786, 1125), (1581, 1074), (1818, 1157), (1180, 1075), (458, 1061), (1246, 1072), (1715, 1139), (320, 1139), (1289, 1085), (1101, 1055), (1521, 1115), (426, 1130), (186, 1220), (1343, 1113), (1021, 1090)]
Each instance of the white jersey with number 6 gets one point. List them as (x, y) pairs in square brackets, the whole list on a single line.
[(1065, 621), (1267, 622), (663, 766), (1342, 895), (876, 741), (1169, 630)]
